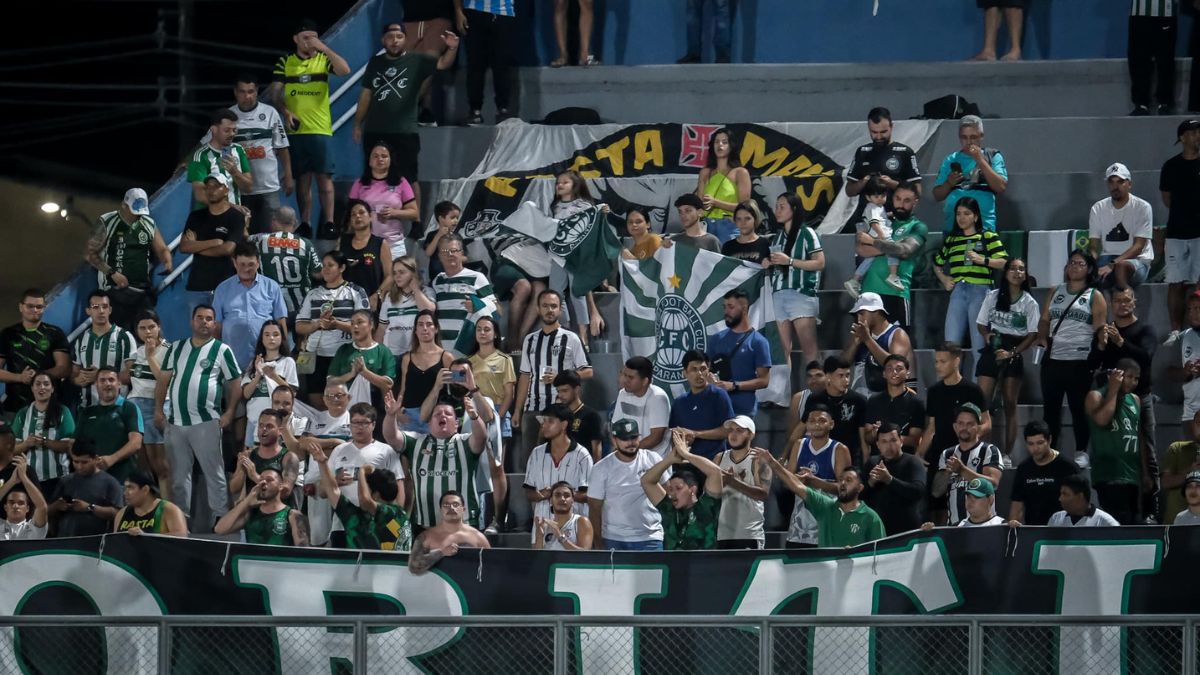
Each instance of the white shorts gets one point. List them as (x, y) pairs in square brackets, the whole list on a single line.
[(1191, 399), (1183, 260)]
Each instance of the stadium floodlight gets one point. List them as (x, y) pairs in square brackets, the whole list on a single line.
[(51, 207)]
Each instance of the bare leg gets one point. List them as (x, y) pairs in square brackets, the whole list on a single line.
[(531, 309), (806, 334), (156, 459), (304, 197), (1015, 18), (325, 185), (1012, 391), (785, 341), (516, 310), (560, 32), (499, 492), (991, 26), (586, 19), (988, 385)]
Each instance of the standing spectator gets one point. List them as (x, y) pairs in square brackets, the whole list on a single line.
[(391, 196), (747, 245), (145, 512), (644, 402), (346, 463), (586, 425), (740, 355), (462, 295), (1182, 458), (1014, 18), (387, 108), (1179, 182), (1119, 467), (288, 259), (220, 156), (972, 255), (368, 260), (85, 501), (819, 459), (872, 339), (1189, 358), (264, 517), (493, 371), (1073, 313), (25, 511), (723, 183), (244, 302), (586, 58), (1075, 497), (425, 24), (895, 482), (962, 463), (796, 249), (260, 134), (196, 371), (268, 453), (617, 506), (367, 367), (1120, 230), (888, 162), (1008, 322), (28, 346), (643, 242), (1191, 493), (1036, 487), (747, 483), (558, 459), (211, 234), (121, 249), (847, 408), (896, 404), (324, 318), (112, 426), (419, 371), (572, 197), (695, 233), (102, 345), (943, 401), (300, 91), (267, 368), (488, 26), (141, 374), (1151, 55), (399, 303), (564, 529), (906, 244), (973, 171), (44, 431), (376, 521), (690, 505), (325, 430), (842, 521), (722, 16), (702, 412)]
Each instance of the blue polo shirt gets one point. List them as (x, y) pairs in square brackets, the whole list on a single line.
[(243, 310), (972, 185), (708, 409), (754, 353)]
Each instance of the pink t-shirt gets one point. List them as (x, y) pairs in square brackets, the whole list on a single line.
[(379, 194)]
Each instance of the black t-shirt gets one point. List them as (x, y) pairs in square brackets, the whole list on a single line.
[(586, 425), (207, 272), (849, 414), (364, 266), (898, 503), (1037, 488), (1141, 341), (1181, 178), (755, 252), (942, 403), (33, 348), (894, 160), (100, 489), (905, 411)]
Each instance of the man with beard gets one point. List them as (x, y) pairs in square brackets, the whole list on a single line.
[(844, 521), (621, 515), (264, 516), (907, 242), (563, 529), (645, 403), (896, 404), (741, 356), (892, 163), (1120, 228), (558, 459), (28, 346), (822, 459), (1035, 489), (445, 538), (122, 248), (746, 485), (873, 338), (219, 155), (971, 458), (270, 453), (689, 515), (210, 235), (113, 425), (895, 482)]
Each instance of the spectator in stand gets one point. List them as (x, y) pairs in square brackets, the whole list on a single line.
[(747, 484), (244, 302), (1036, 487), (1189, 351), (368, 259), (375, 521), (746, 244), (113, 426), (268, 453), (1008, 322), (571, 196), (122, 248), (267, 369), (1120, 230), (586, 426), (872, 339), (194, 372), (446, 216), (488, 26), (494, 374), (881, 159), (796, 249), (141, 375), (690, 505), (896, 404), (324, 318), (818, 460), (84, 502), (617, 506), (981, 504), (1118, 456), (145, 512), (8, 462), (29, 346), (814, 383), (521, 271), (695, 233), (390, 195), (288, 259), (1182, 458), (462, 295), (399, 303), (300, 91), (740, 355), (1191, 493), (1075, 497), (346, 462), (644, 402), (445, 538), (564, 529), (704, 405), (25, 509), (1014, 18), (264, 518), (842, 521), (907, 242), (418, 371), (426, 23), (102, 345), (211, 234), (1151, 55), (972, 255), (1072, 315), (44, 431), (895, 482), (219, 155), (722, 17), (558, 459), (367, 367), (643, 242), (875, 223), (962, 463), (1179, 182), (847, 407), (943, 401), (973, 171), (586, 58), (723, 184), (326, 430)]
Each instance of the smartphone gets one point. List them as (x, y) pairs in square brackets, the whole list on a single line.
[(458, 377), (955, 166)]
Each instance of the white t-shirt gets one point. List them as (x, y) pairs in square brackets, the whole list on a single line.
[(27, 530), (1116, 228), (651, 411), (541, 472), (1096, 518), (994, 520), (628, 514), (1020, 320), (350, 458), (876, 213)]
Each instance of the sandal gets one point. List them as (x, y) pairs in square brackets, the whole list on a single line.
[(591, 61), (558, 63)]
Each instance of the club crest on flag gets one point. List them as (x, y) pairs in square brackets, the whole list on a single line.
[(678, 329), (572, 231)]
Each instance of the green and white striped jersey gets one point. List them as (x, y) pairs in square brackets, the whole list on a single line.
[(807, 282), (438, 466), (450, 291), (46, 464), (128, 248), (109, 350), (207, 161), (197, 376), (291, 261), (1159, 8)]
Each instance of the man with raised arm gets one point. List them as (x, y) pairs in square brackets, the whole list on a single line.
[(689, 514), (445, 538)]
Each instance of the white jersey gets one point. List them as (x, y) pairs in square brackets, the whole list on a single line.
[(651, 411), (349, 458), (397, 318), (110, 350), (141, 377), (22, 530), (1073, 339), (1189, 350), (542, 471), (628, 514), (741, 517), (1020, 320), (260, 133), (1094, 518), (874, 213), (570, 532), (1116, 228), (994, 520)]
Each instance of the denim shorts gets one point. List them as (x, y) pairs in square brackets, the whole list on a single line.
[(647, 545), (792, 304), (151, 434)]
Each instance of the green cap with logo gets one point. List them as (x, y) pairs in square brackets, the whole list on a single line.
[(973, 409), (625, 428), (981, 487)]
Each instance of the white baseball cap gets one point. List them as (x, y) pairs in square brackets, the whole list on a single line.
[(1117, 169), (137, 201), (742, 421), (870, 302)]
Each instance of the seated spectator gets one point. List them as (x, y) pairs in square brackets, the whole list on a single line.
[(981, 504), (1182, 458), (288, 259), (876, 223), (113, 427), (644, 242), (973, 171), (747, 483), (906, 244), (210, 235), (375, 520), (872, 339), (645, 403), (220, 156), (704, 405), (86, 501), (847, 408), (1075, 497), (1035, 489), (564, 529), (798, 261), (25, 509), (264, 518), (818, 460), (690, 207), (1008, 322), (558, 459), (268, 453), (268, 369), (962, 463), (1120, 230), (28, 346), (586, 17), (897, 404), (690, 508), (1191, 493), (368, 260), (842, 521), (446, 216), (44, 431), (1014, 18), (895, 482), (123, 248), (446, 537), (586, 425), (1189, 358), (723, 183), (722, 17), (392, 199), (619, 509), (145, 512), (324, 318), (746, 244), (740, 355), (971, 254), (244, 302), (101, 345), (141, 374), (1118, 456), (490, 28), (399, 304), (367, 367), (462, 295), (814, 383)]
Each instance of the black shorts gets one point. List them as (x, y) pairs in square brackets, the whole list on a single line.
[(405, 149), (739, 544), (506, 274), (896, 308), (989, 367)]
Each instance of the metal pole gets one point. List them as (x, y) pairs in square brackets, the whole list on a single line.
[(975, 647), (1189, 647), (560, 647), (164, 646), (766, 647), (360, 648)]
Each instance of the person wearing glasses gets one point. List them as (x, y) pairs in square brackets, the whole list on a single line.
[(347, 460), (462, 295), (1008, 322), (29, 346)]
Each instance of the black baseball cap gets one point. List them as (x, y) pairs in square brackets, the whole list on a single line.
[(1185, 126), (306, 25)]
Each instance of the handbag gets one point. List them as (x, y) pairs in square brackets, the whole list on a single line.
[(306, 360)]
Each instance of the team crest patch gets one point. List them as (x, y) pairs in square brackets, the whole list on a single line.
[(678, 328), (279, 526), (892, 164), (143, 237), (205, 363), (572, 231)]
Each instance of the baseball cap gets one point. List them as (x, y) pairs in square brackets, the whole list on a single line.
[(982, 487), (393, 26), (625, 429), (1193, 477), (741, 421), (973, 409), (870, 302), (1186, 125), (219, 177), (137, 201), (1117, 169), (307, 25)]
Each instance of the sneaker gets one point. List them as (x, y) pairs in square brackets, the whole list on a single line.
[(895, 282), (1172, 338), (1139, 111), (425, 118), (1082, 461), (503, 114), (491, 530), (853, 288), (688, 58), (1165, 109), (590, 61), (475, 119)]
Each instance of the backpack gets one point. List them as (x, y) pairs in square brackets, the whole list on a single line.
[(948, 107)]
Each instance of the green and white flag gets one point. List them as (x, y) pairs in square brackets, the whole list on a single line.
[(675, 302), (584, 243)]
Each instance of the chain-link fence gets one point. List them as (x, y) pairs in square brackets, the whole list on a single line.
[(785, 645)]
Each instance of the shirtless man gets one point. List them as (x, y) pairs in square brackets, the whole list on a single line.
[(445, 538)]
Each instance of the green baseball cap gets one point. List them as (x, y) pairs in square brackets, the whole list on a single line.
[(626, 428), (980, 487)]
